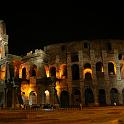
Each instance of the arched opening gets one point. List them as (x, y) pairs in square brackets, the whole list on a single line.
[(47, 97), (123, 95), (102, 97), (88, 76), (99, 70), (24, 98), (53, 71), (87, 73), (64, 99), (24, 73), (75, 72), (76, 97), (120, 56), (111, 68), (114, 96), (89, 97), (32, 98)]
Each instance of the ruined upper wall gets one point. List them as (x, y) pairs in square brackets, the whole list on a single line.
[(79, 45), (2, 27)]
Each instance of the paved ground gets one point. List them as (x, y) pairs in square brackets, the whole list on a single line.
[(91, 115)]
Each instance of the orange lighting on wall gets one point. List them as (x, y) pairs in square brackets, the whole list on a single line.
[(102, 69), (114, 66), (87, 70), (60, 73), (47, 71), (3, 71), (27, 70), (58, 88), (27, 89)]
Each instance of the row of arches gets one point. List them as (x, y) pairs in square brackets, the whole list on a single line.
[(89, 97), (62, 71), (87, 70), (87, 73), (52, 71), (32, 72)]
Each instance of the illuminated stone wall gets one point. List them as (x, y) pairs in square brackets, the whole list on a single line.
[(96, 51), (87, 72)]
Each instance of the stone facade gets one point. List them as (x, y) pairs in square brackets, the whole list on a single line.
[(94, 70), (84, 72)]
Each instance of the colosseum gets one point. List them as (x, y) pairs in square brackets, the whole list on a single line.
[(86, 72)]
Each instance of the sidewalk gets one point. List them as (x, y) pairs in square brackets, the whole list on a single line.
[(88, 115)]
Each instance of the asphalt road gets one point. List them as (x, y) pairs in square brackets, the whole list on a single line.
[(91, 115)]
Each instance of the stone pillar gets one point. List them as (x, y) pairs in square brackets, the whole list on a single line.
[(120, 97), (81, 76), (108, 100), (105, 64), (82, 93), (106, 76), (42, 70), (6, 43), (43, 98), (95, 84), (118, 74), (3, 51), (70, 94), (5, 98), (69, 79), (13, 97), (39, 100), (96, 102)]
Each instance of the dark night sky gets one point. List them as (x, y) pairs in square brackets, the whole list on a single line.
[(30, 30)]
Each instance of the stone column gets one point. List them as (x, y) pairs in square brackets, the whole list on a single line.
[(96, 102), (5, 97), (39, 100), (81, 76), (13, 97), (95, 84), (108, 100), (118, 74), (82, 93), (106, 76), (70, 94), (69, 75), (120, 97)]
